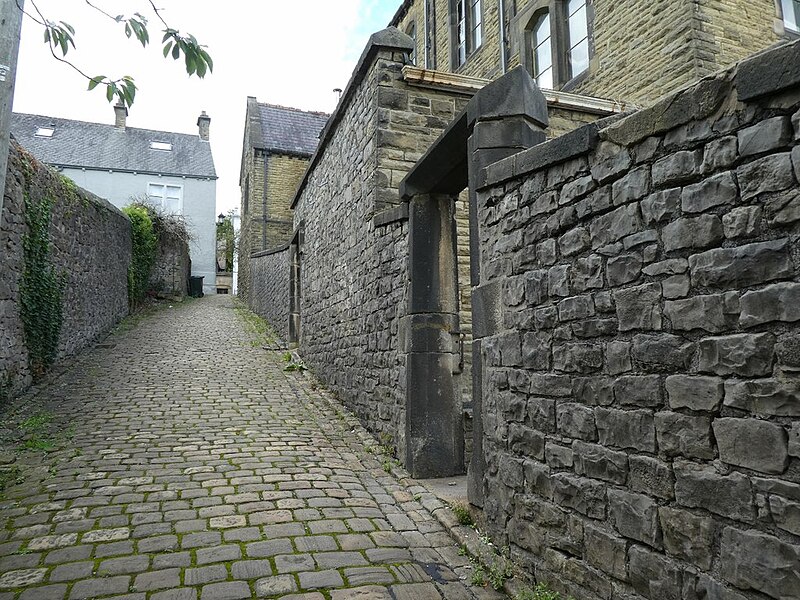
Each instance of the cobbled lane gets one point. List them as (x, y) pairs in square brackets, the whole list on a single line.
[(190, 466)]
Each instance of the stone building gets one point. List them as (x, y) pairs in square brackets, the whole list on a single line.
[(631, 50), (278, 143), (173, 171)]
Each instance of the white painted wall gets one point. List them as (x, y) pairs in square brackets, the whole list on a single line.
[(199, 209)]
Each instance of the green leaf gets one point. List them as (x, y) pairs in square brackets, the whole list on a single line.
[(176, 52), (111, 88), (128, 29), (95, 81), (167, 48)]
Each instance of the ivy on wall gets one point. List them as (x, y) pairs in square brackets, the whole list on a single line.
[(145, 244), (41, 288)]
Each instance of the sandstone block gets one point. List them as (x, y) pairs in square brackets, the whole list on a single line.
[(671, 266), (576, 307), (767, 397), (785, 513), (635, 516), (633, 186), (794, 441), (752, 444), (765, 136), (623, 269), (699, 312), (557, 456), (526, 441), (747, 355), (536, 287), (777, 302), (687, 536), (614, 226), (697, 232), (713, 191), (614, 160), (638, 391), (626, 429), (770, 174), (685, 435), (576, 189), (729, 496), (536, 351), (593, 391), (677, 168), (695, 393), (586, 496), (662, 352), (587, 273), (756, 561), (651, 476), (719, 154), (537, 477), (574, 241), (558, 281), (653, 575), (575, 421), (661, 206), (742, 266), (784, 209), (598, 462), (577, 358), (606, 552), (639, 307), (744, 221), (618, 358)]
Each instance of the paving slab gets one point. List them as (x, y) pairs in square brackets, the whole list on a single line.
[(189, 464)]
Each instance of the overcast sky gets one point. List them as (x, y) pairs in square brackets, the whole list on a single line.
[(291, 53)]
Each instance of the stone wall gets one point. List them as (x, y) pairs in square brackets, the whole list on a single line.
[(269, 295), (641, 401), (170, 275), (90, 245)]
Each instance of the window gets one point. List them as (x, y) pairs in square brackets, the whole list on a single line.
[(45, 132), (467, 16), (578, 25), (558, 41), (167, 197), (791, 15), (412, 33), (542, 52), (165, 146)]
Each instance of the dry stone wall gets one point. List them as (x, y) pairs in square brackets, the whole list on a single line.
[(90, 243), (642, 393), (269, 296)]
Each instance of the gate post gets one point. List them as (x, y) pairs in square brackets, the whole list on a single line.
[(434, 432)]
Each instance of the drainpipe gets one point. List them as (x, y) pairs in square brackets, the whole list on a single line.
[(10, 25), (427, 34), (502, 11)]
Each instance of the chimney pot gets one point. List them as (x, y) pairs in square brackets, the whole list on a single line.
[(120, 115), (204, 126)]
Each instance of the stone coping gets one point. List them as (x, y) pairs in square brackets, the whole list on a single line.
[(763, 74)]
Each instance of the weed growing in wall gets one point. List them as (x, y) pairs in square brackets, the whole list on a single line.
[(42, 287), (145, 243)]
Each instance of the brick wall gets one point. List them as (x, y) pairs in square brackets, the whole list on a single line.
[(90, 244), (642, 399)]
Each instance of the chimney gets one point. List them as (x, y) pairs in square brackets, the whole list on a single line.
[(204, 125), (120, 114)]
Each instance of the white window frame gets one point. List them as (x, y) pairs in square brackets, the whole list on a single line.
[(466, 29), (158, 193), (790, 12)]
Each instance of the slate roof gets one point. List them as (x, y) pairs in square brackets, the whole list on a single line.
[(98, 146), (289, 130)]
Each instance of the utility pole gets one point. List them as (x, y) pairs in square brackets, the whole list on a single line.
[(10, 26)]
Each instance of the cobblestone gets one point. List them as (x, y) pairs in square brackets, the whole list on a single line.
[(196, 468)]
